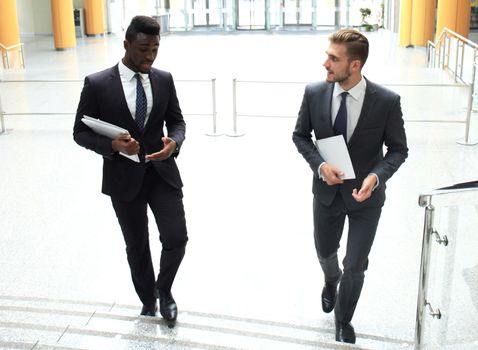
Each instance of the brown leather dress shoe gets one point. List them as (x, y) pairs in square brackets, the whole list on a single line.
[(149, 309), (344, 332)]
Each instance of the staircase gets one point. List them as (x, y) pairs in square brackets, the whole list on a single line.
[(39, 323)]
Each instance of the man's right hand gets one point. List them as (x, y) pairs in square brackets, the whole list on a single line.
[(331, 174), (126, 144)]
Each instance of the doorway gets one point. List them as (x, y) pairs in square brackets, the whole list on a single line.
[(251, 14)]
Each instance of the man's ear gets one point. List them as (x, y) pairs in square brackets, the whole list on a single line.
[(356, 65), (125, 44)]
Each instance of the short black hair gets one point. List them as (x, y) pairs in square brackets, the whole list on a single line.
[(142, 24)]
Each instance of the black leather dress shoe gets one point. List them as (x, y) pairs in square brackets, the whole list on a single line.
[(149, 309), (167, 305), (329, 296), (344, 332)]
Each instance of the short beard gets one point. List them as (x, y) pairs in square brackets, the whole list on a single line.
[(340, 78)]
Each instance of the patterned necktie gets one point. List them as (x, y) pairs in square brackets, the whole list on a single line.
[(141, 103), (340, 124)]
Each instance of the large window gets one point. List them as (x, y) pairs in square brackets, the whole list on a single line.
[(184, 15)]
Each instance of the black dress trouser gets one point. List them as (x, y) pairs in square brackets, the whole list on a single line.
[(166, 204), (328, 228)]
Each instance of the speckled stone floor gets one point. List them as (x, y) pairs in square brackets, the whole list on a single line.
[(250, 279)]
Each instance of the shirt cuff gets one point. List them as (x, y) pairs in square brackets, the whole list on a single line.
[(320, 175), (378, 181)]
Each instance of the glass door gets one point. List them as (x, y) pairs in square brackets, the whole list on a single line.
[(325, 13), (251, 14), (207, 13), (297, 12)]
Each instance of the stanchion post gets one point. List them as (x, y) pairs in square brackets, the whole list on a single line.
[(234, 110), (423, 278), (2, 119), (214, 110), (466, 140)]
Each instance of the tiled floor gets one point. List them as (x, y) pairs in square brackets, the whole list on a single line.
[(250, 279)]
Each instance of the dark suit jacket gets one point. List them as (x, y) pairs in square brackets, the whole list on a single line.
[(380, 123), (103, 97)]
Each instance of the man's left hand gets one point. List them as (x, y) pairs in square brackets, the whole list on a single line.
[(165, 153), (366, 190)]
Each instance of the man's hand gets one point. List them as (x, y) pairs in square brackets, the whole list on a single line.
[(126, 144), (366, 191), (331, 174), (165, 153)]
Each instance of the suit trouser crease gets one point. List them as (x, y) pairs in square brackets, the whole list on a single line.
[(328, 227), (166, 204)]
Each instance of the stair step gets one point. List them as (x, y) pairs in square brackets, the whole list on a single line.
[(36, 323)]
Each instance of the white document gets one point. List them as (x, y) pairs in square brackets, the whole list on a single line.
[(109, 130), (334, 151)]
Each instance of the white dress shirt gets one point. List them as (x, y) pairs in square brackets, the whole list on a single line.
[(129, 88), (354, 104)]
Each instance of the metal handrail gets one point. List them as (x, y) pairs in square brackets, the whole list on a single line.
[(5, 50), (429, 232), (441, 43)]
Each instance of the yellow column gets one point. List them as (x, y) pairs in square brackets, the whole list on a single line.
[(455, 15), (405, 22), (95, 17), (9, 31), (463, 18), (63, 24), (423, 22)]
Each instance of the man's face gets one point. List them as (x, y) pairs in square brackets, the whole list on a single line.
[(141, 52), (337, 64)]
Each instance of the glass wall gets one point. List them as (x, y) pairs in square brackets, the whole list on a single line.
[(185, 15)]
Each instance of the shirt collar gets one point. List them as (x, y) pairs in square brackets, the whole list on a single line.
[(128, 74), (356, 92)]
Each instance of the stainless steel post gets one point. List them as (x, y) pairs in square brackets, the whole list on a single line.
[(446, 61), (443, 53), (23, 57), (466, 141), (214, 110), (423, 280), (6, 56), (2, 119), (456, 60), (462, 59), (234, 110), (440, 50)]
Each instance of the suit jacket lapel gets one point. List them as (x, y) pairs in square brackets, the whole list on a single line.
[(369, 100), (155, 91), (325, 112), (118, 92)]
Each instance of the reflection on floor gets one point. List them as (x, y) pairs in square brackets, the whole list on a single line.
[(250, 279)]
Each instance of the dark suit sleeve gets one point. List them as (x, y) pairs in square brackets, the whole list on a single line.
[(174, 119), (396, 142), (82, 134), (302, 135)]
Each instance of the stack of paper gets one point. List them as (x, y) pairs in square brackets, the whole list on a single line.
[(109, 130), (334, 151)]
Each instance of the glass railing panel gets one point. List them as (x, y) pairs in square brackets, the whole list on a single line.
[(452, 291)]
